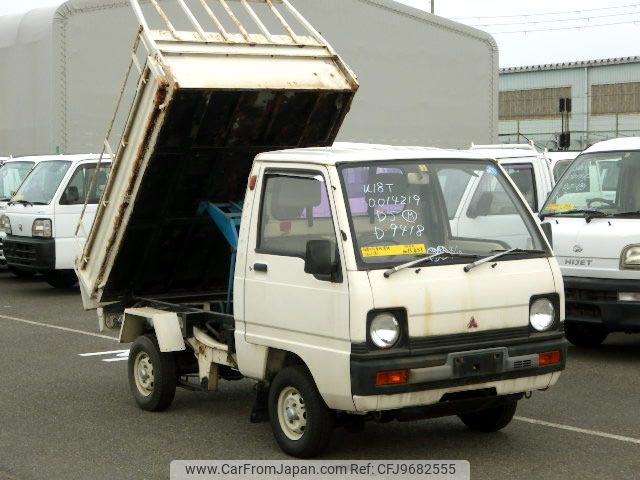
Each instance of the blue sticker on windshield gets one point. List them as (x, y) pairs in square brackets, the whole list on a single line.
[(491, 170)]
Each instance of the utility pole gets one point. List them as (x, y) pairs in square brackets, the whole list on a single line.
[(433, 7)]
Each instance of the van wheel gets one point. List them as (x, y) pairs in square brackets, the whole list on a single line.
[(20, 273), (490, 419), (584, 335), (152, 374), (301, 421), (61, 278)]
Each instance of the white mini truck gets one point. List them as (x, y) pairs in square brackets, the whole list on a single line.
[(329, 276), (41, 219), (594, 212)]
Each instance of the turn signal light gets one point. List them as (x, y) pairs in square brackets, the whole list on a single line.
[(392, 377), (549, 358)]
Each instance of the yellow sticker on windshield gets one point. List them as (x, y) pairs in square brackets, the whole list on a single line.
[(554, 207), (391, 250)]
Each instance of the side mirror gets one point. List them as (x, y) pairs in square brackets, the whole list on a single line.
[(548, 232), (319, 261)]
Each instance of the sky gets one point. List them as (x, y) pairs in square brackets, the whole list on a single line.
[(567, 30)]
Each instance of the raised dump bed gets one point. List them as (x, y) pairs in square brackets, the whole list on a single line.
[(206, 104)]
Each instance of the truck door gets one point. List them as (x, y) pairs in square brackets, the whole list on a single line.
[(69, 206), (284, 306)]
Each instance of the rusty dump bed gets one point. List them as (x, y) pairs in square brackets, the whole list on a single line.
[(202, 112)]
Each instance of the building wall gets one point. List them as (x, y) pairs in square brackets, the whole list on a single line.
[(605, 101)]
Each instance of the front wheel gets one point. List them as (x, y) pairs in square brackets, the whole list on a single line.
[(152, 374), (301, 421), (61, 278), (490, 419), (584, 335)]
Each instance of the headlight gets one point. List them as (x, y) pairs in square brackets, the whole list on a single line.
[(5, 224), (384, 330), (630, 257), (41, 228), (542, 314)]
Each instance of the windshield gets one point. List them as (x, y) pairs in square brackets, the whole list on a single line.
[(42, 184), (400, 210), (12, 174), (607, 182)]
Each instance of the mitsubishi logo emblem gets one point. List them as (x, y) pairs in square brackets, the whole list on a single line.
[(472, 323)]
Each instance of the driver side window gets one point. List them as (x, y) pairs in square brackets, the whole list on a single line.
[(295, 209)]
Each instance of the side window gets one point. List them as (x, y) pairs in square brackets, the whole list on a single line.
[(453, 183), (77, 190), (560, 168), (523, 177), (490, 198), (295, 209)]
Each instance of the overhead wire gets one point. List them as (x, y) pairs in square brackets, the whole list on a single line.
[(577, 27), (565, 12), (557, 20)]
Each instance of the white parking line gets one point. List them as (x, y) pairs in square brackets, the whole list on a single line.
[(120, 355), (56, 327), (569, 428)]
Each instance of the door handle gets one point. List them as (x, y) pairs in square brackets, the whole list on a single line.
[(260, 267)]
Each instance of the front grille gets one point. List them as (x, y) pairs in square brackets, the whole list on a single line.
[(577, 311), (522, 364), (583, 295), (468, 339), (20, 253)]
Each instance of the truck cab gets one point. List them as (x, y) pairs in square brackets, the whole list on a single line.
[(41, 218), (594, 213), (13, 171)]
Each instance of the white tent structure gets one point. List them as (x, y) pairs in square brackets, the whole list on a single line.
[(424, 80)]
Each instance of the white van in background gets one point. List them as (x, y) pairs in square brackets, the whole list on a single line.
[(475, 199), (594, 211), (12, 173), (560, 161), (41, 219)]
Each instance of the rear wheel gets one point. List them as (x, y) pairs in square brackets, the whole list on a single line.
[(302, 423), (20, 273), (152, 374), (490, 419), (61, 278), (584, 335)]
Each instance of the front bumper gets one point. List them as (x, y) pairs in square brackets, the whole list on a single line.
[(30, 254), (594, 301), (459, 368)]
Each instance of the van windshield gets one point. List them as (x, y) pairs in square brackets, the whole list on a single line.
[(404, 209), (604, 184), (40, 187), (12, 174)]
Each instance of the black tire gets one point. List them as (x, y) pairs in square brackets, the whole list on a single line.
[(20, 273), (490, 419), (62, 279), (584, 335), (159, 393), (318, 419)]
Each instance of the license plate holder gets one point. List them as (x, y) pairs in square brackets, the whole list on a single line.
[(478, 364)]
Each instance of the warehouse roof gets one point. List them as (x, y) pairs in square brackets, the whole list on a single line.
[(568, 65)]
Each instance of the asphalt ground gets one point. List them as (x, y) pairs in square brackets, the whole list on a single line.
[(66, 416)]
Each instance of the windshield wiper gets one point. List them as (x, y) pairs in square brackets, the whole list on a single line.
[(21, 202), (498, 255), (412, 263), (632, 213), (589, 213)]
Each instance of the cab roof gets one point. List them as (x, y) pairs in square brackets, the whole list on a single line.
[(615, 145), (73, 158), (358, 152)]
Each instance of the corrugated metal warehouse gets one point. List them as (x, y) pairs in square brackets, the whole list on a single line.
[(605, 101)]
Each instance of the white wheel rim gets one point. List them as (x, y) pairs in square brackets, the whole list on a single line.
[(292, 413), (143, 373)]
